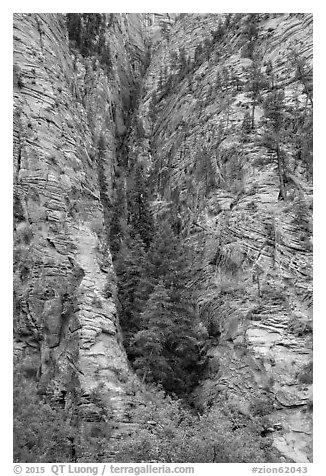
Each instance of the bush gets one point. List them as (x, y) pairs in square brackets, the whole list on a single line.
[(261, 407), (305, 376), (48, 430), (25, 234), (163, 430), (170, 433), (41, 430)]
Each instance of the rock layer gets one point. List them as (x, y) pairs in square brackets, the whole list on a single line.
[(65, 308), (253, 268), (254, 259)]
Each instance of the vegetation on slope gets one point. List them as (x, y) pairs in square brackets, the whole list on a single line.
[(164, 430), (154, 266)]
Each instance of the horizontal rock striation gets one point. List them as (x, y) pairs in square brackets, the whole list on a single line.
[(74, 125), (65, 316), (253, 271)]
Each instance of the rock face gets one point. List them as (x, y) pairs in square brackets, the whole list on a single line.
[(65, 310), (253, 279), (254, 266)]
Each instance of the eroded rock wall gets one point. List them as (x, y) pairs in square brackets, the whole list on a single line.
[(252, 274), (253, 269), (65, 317)]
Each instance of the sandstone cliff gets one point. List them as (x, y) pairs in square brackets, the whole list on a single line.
[(65, 311), (254, 266), (74, 124)]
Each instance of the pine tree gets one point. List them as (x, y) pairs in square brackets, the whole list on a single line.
[(130, 265), (227, 92), (183, 63), (250, 32), (204, 170), (74, 28), (140, 215), (219, 32), (168, 263), (198, 54), (299, 125), (256, 83), (118, 224), (165, 259), (148, 344), (270, 74), (251, 26), (275, 133), (246, 126), (219, 81), (303, 73)]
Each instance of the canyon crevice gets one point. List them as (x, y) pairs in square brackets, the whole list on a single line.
[(174, 98)]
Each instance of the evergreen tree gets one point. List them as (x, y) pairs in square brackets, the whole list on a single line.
[(74, 28), (250, 32), (140, 215), (204, 170), (303, 73), (270, 74), (198, 54), (227, 21), (246, 126), (251, 26), (165, 31), (219, 32), (235, 80), (256, 83), (131, 289), (183, 63), (305, 149), (219, 81), (152, 109), (299, 125), (86, 32), (275, 133), (168, 271), (149, 343), (227, 92), (166, 259), (118, 225)]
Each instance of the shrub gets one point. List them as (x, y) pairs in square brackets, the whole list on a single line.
[(163, 430), (168, 432), (305, 375), (261, 407), (300, 327), (40, 429), (25, 234)]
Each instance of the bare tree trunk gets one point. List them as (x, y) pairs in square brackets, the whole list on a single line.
[(280, 169), (145, 375), (253, 115), (258, 285), (147, 369), (214, 454), (227, 111)]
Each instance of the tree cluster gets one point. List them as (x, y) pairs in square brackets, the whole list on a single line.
[(87, 33), (250, 35), (48, 430), (152, 264), (169, 432), (287, 136), (158, 316)]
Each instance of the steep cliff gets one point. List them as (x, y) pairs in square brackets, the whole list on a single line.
[(65, 315), (198, 100), (254, 262)]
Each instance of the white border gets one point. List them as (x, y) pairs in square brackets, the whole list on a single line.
[(319, 197)]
